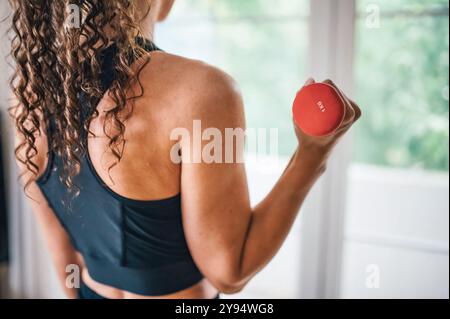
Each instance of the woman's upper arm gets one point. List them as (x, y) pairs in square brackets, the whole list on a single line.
[(52, 230), (215, 200)]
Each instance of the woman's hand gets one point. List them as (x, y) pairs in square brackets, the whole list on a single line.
[(323, 145)]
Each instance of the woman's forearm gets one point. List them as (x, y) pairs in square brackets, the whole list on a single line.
[(62, 258), (61, 250), (273, 217)]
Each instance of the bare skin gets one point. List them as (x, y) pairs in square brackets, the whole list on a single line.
[(229, 240)]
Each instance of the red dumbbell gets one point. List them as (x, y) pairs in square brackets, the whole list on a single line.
[(318, 109)]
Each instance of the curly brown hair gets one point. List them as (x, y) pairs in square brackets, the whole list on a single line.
[(49, 75)]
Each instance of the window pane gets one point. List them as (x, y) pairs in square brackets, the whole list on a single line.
[(263, 46), (222, 9), (403, 5), (397, 217), (402, 72), (259, 8)]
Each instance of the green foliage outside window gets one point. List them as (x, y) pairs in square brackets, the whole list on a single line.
[(402, 71)]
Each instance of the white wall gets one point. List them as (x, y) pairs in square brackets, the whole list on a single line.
[(398, 222)]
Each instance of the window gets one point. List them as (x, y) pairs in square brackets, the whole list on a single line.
[(402, 81), (395, 237)]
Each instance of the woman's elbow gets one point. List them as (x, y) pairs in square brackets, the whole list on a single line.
[(228, 288), (228, 283)]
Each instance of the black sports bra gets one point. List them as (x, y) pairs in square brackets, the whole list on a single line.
[(133, 245)]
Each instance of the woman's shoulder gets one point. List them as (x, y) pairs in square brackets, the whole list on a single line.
[(197, 86)]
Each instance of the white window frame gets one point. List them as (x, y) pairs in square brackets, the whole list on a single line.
[(332, 37)]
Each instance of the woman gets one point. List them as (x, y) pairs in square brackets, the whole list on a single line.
[(97, 102)]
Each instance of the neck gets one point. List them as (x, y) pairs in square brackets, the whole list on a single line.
[(147, 22), (147, 25), (147, 30)]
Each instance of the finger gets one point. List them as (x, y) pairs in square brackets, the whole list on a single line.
[(339, 91), (340, 133), (349, 122), (343, 129), (358, 112), (350, 112), (309, 82), (349, 115), (356, 109)]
